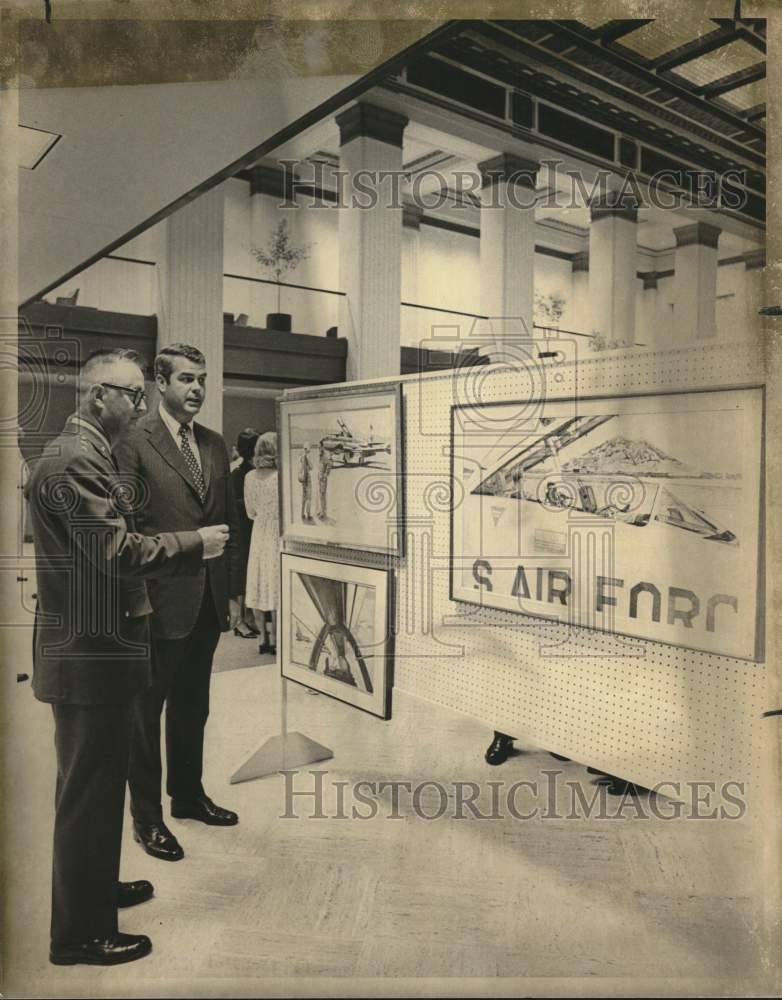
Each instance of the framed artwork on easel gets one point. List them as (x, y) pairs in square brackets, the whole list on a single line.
[(341, 469), (336, 633)]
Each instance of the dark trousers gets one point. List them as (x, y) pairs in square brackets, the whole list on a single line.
[(181, 672), (92, 744)]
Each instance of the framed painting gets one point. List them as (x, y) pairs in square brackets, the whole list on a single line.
[(336, 633), (639, 515), (341, 460)]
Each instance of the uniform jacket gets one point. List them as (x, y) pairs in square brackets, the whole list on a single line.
[(91, 642), (170, 502)]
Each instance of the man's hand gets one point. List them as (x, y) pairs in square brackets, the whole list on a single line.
[(234, 611), (214, 538)]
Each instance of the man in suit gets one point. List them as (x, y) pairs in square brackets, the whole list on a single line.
[(185, 469), (91, 650)]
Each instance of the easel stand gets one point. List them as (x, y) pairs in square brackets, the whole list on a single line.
[(279, 753)]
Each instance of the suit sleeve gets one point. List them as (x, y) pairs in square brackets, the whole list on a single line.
[(95, 504), (129, 460), (234, 565)]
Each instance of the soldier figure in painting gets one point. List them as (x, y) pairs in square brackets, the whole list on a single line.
[(305, 478), (324, 468)]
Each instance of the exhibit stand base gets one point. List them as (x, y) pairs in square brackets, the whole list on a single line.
[(279, 753)]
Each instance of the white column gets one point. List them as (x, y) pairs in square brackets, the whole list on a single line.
[(612, 269), (190, 291), (578, 310), (695, 282), (370, 239), (754, 288), (414, 327), (508, 243), (648, 329)]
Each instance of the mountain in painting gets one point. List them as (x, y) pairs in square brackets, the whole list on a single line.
[(622, 456)]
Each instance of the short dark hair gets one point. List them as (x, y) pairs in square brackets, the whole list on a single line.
[(164, 364), (106, 355), (245, 443)]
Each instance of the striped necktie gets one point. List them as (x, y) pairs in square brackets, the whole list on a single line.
[(191, 462)]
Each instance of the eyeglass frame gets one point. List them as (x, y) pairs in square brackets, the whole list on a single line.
[(138, 395)]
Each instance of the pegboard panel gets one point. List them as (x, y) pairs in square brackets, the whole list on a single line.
[(340, 553), (641, 709)]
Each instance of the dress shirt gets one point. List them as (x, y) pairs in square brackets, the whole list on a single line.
[(173, 426)]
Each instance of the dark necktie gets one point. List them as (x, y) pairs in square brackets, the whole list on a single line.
[(192, 463)]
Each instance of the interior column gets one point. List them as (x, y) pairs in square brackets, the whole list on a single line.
[(507, 252), (695, 282), (190, 291), (579, 311), (612, 269), (370, 239), (414, 326)]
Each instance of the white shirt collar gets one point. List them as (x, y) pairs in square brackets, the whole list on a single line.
[(174, 425)]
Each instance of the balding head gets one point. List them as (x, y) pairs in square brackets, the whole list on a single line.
[(107, 383)]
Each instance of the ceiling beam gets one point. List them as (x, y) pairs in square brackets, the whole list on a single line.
[(629, 61), (617, 29), (750, 29), (694, 49), (754, 113), (734, 80)]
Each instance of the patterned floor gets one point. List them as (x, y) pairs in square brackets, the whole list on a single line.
[(544, 906)]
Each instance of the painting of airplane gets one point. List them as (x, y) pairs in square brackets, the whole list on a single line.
[(622, 479), (351, 449)]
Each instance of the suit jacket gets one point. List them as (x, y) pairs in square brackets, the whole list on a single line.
[(170, 502), (91, 643)]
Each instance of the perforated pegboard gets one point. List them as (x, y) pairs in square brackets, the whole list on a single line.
[(663, 713)]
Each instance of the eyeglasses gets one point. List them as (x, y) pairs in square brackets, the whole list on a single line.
[(137, 395)]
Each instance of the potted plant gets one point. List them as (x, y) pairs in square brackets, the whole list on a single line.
[(279, 257), (550, 309)]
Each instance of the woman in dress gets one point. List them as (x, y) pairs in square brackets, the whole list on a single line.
[(262, 504), (245, 448)]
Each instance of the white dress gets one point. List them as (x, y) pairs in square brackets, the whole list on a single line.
[(263, 563)]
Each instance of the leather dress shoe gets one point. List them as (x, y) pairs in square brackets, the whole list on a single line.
[(158, 841), (499, 749), (131, 893), (204, 810), (102, 951)]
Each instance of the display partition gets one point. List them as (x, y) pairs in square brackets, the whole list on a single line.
[(618, 698)]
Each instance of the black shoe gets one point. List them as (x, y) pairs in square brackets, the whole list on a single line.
[(558, 756), (264, 648), (132, 893), (204, 810), (158, 841), (618, 786), (102, 951), (244, 635), (499, 749), (273, 649)]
